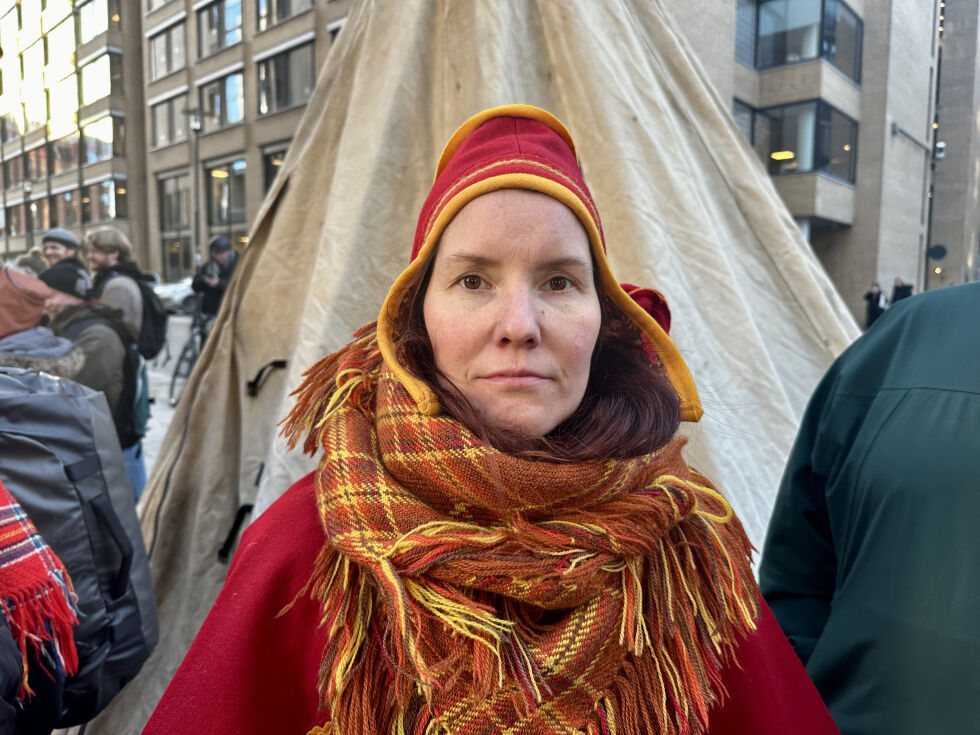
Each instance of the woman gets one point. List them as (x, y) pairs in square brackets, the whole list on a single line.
[(508, 539)]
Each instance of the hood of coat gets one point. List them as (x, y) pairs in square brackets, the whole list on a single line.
[(39, 349), (73, 314)]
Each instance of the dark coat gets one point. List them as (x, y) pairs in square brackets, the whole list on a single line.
[(211, 300)]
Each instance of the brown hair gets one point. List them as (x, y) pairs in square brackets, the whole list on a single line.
[(111, 240), (629, 407)]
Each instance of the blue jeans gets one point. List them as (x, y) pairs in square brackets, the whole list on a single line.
[(135, 468)]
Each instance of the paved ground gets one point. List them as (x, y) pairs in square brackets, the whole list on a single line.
[(160, 371)]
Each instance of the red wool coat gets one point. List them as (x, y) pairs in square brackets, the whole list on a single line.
[(250, 672)]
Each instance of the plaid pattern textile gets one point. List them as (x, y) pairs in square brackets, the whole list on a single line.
[(35, 592), (467, 591)]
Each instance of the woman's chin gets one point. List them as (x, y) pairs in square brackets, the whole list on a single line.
[(526, 420)]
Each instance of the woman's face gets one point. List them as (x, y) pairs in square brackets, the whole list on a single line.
[(512, 311)]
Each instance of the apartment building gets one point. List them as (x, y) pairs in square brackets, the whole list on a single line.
[(226, 84), (71, 112), (838, 100)]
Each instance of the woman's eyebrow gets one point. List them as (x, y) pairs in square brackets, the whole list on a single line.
[(482, 261)]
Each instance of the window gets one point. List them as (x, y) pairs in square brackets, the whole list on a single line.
[(61, 50), (744, 117), (64, 106), (790, 31), (272, 161), (218, 25), (222, 102), (66, 209), (40, 219), (37, 163), (842, 35), (103, 139), (170, 120), (97, 17), (286, 79), (746, 12), (154, 4), (270, 12), (226, 200), (167, 51), (15, 220), (13, 171), (105, 200), (30, 19), (34, 95), (805, 137), (11, 123), (175, 225), (102, 77), (65, 153)]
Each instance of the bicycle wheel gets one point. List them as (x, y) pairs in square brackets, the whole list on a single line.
[(182, 370)]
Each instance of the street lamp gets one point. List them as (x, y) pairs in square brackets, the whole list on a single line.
[(28, 214), (195, 121)]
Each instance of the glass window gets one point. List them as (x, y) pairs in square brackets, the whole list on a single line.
[(34, 95), (170, 120), (804, 137), (286, 79), (222, 102), (789, 31), (93, 19), (15, 220), (40, 218), (30, 19), (745, 16), (103, 139), (65, 153), (270, 12), (842, 36), (218, 25), (61, 49), (168, 51), (175, 225), (743, 115), (64, 106), (67, 208), (37, 163), (271, 163), (11, 124), (13, 171), (226, 197), (99, 202), (154, 4), (101, 77)]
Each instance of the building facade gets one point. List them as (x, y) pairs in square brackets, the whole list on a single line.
[(227, 82), (71, 111), (839, 101)]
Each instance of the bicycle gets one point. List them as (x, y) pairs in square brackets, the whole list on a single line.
[(200, 328)]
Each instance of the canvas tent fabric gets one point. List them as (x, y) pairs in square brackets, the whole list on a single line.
[(686, 207)]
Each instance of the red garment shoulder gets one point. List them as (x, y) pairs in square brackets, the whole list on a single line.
[(252, 671)]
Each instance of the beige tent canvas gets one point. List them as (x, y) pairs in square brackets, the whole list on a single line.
[(686, 206)]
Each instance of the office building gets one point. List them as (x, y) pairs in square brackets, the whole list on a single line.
[(71, 111)]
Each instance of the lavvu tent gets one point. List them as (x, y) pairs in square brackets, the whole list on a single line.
[(686, 206)]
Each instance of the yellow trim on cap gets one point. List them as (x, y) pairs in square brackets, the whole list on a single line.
[(528, 112), (673, 363)]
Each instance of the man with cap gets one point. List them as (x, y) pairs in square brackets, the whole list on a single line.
[(61, 248), (213, 277), (110, 359)]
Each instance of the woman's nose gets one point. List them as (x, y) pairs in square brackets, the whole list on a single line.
[(518, 321)]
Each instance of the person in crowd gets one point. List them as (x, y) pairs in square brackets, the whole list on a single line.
[(900, 290), (23, 342), (61, 246), (870, 558), (31, 262), (212, 278), (110, 364), (875, 302), (502, 534), (110, 256)]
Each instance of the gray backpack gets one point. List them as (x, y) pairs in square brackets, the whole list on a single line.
[(59, 456)]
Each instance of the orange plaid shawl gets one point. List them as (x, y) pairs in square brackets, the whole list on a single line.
[(466, 591)]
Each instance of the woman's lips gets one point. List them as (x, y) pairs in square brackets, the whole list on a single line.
[(515, 378)]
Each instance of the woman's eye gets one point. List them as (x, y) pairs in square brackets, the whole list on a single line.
[(558, 283), (471, 282)]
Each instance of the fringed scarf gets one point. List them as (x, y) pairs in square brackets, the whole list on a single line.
[(467, 591), (36, 595)]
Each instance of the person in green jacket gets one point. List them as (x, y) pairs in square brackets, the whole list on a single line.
[(872, 559)]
